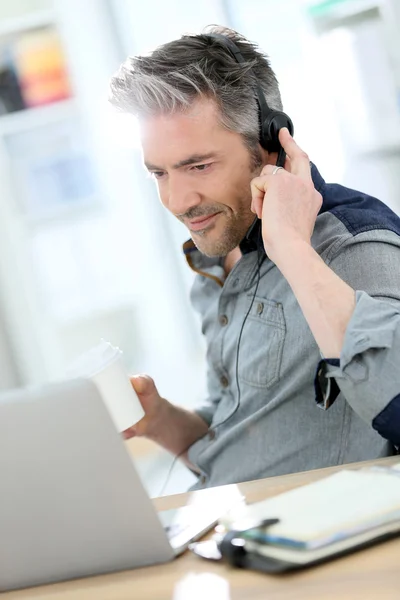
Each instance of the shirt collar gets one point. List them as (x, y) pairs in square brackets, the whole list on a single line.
[(318, 180)]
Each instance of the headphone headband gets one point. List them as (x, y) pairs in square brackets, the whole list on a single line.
[(271, 121), (238, 56)]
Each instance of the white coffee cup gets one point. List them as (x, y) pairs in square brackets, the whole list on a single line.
[(104, 366)]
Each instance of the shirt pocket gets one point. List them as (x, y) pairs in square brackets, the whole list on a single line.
[(261, 346)]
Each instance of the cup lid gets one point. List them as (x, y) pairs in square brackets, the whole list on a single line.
[(94, 360)]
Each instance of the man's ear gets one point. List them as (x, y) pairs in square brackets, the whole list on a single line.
[(267, 158), (263, 154), (270, 158)]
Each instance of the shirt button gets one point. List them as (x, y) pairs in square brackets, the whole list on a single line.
[(211, 435), (223, 320), (203, 479), (224, 381), (260, 308)]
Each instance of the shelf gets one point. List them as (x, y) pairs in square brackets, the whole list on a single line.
[(30, 118), (36, 20), (341, 8), (329, 15)]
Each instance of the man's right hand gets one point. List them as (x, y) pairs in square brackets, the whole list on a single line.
[(172, 427)]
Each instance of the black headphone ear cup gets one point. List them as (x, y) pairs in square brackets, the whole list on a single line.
[(270, 128)]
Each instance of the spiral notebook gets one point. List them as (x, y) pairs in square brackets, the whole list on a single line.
[(333, 516)]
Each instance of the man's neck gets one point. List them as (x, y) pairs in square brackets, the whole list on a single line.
[(231, 259)]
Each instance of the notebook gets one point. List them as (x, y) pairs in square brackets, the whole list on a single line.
[(329, 517)]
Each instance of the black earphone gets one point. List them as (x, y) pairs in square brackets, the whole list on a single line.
[(271, 121)]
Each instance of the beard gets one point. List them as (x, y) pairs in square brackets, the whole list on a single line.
[(236, 221), (235, 226)]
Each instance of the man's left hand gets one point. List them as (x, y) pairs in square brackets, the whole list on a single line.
[(287, 202)]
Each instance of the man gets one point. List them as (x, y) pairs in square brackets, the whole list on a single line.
[(301, 316)]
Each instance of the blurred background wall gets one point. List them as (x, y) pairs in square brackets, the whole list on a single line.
[(86, 250)]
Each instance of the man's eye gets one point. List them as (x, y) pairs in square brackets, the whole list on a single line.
[(201, 167), (157, 174)]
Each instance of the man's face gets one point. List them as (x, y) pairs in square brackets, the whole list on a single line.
[(203, 174)]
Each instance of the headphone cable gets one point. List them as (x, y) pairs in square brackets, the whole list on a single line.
[(260, 259)]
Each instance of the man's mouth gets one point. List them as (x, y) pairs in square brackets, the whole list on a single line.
[(202, 222)]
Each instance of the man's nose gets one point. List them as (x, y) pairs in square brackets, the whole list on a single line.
[(180, 196)]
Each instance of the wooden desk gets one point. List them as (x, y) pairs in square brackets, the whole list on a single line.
[(371, 574)]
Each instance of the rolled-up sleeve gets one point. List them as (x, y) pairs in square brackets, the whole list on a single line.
[(368, 371)]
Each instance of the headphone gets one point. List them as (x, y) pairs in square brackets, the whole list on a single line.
[(271, 121)]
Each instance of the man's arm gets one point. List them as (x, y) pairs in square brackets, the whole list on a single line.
[(326, 301), (288, 204), (361, 332), (367, 367)]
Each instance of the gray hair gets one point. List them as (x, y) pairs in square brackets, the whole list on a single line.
[(175, 74)]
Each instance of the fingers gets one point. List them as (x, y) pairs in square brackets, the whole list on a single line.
[(299, 161), (259, 186), (258, 190), (266, 170), (129, 433), (142, 384), (296, 164), (274, 170), (150, 400)]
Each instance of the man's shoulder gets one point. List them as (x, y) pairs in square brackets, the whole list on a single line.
[(348, 216), (359, 212)]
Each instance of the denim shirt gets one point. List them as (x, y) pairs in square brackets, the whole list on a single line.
[(264, 402)]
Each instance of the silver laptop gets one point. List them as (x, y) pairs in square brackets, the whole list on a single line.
[(71, 501)]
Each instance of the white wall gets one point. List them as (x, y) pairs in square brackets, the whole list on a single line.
[(19, 8), (340, 88), (150, 265), (9, 376), (118, 272)]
